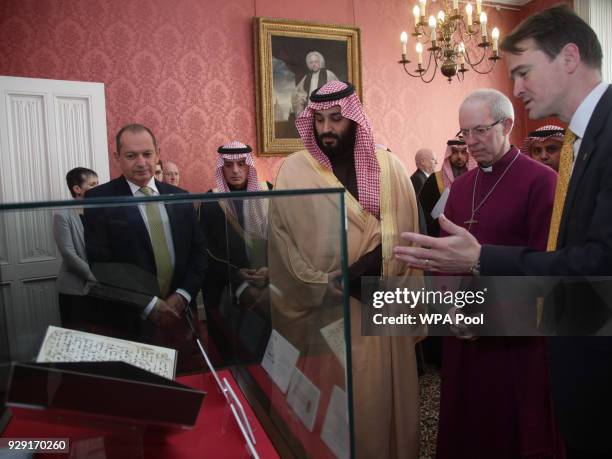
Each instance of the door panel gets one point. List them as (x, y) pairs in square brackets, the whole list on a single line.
[(47, 127)]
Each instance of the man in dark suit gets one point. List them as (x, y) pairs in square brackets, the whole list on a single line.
[(235, 287), (425, 163), (554, 58), (153, 250)]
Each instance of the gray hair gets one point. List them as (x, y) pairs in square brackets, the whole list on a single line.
[(500, 106), (319, 55)]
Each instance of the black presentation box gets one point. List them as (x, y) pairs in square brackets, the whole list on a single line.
[(104, 391)]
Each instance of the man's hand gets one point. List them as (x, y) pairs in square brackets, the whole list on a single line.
[(255, 277), (455, 253), (163, 314), (177, 302)]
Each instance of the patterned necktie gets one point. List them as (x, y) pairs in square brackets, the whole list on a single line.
[(163, 262), (566, 160)]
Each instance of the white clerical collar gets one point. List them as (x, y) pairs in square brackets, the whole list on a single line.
[(582, 115), (136, 188), (487, 169)]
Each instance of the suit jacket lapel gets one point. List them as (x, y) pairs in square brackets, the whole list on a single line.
[(586, 152)]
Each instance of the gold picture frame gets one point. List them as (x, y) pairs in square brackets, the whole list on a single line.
[(281, 72)]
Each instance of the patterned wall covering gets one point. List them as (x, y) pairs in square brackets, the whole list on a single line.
[(185, 68)]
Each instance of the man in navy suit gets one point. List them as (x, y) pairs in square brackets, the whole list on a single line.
[(152, 249), (554, 59)]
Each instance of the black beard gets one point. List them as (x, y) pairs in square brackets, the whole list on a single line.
[(457, 171), (345, 146)]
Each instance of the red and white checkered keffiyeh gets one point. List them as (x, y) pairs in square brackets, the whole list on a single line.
[(254, 209), (526, 147), (366, 165), (447, 170)]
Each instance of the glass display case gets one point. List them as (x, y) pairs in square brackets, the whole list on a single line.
[(154, 281)]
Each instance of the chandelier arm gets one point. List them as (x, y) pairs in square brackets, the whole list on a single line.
[(434, 72), (408, 72), (474, 64), (486, 71), (431, 54)]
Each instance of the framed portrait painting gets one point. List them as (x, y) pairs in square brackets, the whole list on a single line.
[(292, 60)]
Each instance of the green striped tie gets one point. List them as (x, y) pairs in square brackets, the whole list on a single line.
[(160, 246)]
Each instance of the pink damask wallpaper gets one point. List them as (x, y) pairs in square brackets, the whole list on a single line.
[(185, 68)]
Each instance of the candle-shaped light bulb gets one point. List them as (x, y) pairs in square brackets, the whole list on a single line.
[(404, 40), (422, 3), (441, 16), (478, 6), (461, 53), (483, 25), (495, 35), (432, 26), (468, 13), (419, 50), (417, 14), (455, 5)]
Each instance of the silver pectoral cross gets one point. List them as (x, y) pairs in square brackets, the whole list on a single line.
[(470, 222)]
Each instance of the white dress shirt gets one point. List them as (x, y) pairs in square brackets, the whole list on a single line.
[(580, 120)]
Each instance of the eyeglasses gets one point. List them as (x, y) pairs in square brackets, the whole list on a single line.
[(478, 131)]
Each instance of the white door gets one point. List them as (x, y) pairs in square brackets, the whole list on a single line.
[(47, 127)]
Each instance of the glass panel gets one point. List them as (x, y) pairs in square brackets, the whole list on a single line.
[(262, 273), (275, 311)]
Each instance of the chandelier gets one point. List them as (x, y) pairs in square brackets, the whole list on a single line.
[(456, 42)]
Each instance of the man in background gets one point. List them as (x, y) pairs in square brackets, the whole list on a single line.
[(433, 195), (425, 162), (456, 161), (236, 278), (544, 145), (171, 173), (159, 171)]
